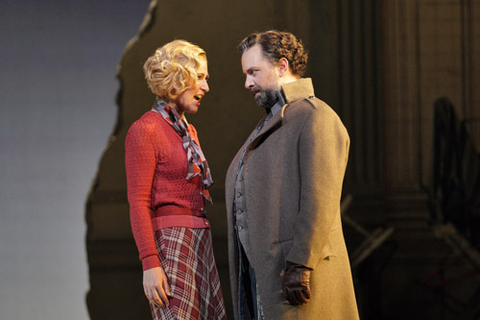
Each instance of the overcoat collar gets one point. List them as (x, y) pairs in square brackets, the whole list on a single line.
[(292, 91), (300, 89)]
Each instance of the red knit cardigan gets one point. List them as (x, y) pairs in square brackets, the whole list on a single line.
[(156, 166)]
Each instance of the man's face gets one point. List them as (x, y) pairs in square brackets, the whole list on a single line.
[(262, 77)]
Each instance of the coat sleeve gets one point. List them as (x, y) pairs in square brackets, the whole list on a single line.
[(323, 155)]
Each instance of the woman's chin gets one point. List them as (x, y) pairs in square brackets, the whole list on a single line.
[(192, 110)]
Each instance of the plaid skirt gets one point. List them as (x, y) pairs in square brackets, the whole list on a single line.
[(186, 255)]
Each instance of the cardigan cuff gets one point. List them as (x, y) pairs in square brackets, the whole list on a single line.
[(150, 262)]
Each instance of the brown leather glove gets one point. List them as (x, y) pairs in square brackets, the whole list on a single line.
[(296, 284)]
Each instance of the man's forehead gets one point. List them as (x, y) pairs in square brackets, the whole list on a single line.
[(253, 57), (253, 52)]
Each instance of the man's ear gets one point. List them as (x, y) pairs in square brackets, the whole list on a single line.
[(283, 67)]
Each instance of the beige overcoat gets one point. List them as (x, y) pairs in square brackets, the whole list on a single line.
[(294, 172)]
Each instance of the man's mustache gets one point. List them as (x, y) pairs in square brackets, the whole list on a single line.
[(255, 89)]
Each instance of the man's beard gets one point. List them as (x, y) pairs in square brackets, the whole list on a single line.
[(266, 97)]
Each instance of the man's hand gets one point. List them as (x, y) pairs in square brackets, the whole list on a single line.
[(155, 285), (296, 284)]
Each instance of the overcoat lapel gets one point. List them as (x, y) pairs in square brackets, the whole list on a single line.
[(270, 126), (297, 90)]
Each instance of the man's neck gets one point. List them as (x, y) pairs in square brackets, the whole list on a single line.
[(287, 78)]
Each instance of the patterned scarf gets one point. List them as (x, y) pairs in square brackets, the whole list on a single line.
[(197, 164)]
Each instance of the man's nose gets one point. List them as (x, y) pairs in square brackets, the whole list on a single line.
[(248, 82)]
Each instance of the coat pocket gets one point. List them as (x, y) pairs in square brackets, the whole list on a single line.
[(327, 251)]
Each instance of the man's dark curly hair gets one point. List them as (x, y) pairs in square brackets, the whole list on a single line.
[(276, 45)]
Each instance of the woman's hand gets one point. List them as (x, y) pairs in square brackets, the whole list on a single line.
[(155, 285)]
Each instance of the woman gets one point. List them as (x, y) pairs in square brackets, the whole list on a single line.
[(167, 179)]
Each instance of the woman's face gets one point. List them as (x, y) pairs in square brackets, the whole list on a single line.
[(189, 100)]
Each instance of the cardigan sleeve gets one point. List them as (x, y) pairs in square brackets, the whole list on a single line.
[(141, 158), (323, 154)]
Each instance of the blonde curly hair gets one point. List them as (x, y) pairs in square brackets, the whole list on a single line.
[(172, 69)]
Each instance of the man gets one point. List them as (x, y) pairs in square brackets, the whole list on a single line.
[(287, 253)]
